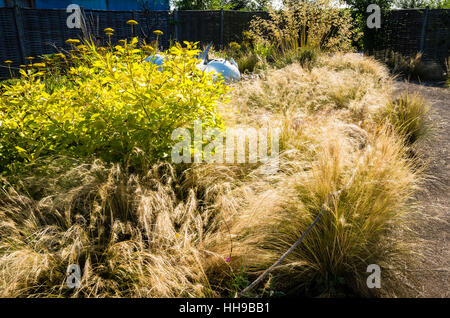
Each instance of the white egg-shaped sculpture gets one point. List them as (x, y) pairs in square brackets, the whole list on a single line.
[(229, 70), (222, 68)]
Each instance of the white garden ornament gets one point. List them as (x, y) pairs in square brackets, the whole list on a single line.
[(229, 70)]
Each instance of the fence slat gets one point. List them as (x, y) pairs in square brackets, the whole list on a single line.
[(20, 34)]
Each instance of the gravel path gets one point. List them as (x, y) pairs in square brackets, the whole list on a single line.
[(433, 274)]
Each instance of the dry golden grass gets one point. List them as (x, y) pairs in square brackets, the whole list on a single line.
[(356, 231), (330, 127), (319, 24), (412, 67), (408, 115), (168, 233), (130, 235), (349, 83)]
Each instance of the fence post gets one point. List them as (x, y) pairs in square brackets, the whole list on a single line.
[(175, 23), (20, 32), (138, 32), (422, 35), (221, 26)]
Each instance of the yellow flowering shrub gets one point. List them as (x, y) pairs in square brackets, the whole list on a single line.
[(108, 103)]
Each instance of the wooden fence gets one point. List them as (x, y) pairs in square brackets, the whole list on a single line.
[(418, 30), (33, 32)]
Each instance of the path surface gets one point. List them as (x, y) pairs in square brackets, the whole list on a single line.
[(432, 277)]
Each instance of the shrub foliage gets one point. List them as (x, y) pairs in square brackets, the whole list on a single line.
[(107, 103)]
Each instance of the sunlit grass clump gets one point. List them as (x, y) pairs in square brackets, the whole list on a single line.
[(359, 225), (130, 235), (408, 114), (332, 142)]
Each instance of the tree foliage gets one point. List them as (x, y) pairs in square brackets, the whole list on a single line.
[(433, 4), (362, 5), (220, 4), (197, 4)]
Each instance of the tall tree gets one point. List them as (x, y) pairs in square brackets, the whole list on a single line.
[(372, 38), (362, 5), (197, 4), (220, 4), (405, 4), (251, 5)]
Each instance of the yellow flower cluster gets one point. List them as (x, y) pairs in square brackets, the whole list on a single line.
[(132, 22)]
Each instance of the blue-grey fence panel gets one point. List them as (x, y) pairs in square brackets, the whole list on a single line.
[(9, 41), (150, 21), (99, 20), (33, 32), (44, 32)]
